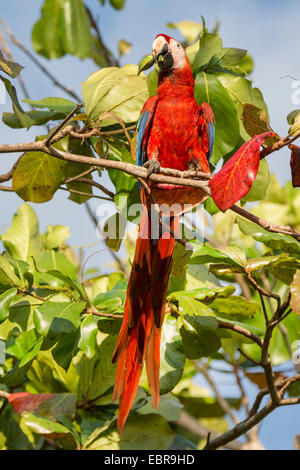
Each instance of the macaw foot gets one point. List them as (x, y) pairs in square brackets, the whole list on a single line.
[(193, 165), (152, 166)]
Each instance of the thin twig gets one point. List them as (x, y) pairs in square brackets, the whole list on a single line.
[(95, 184), (191, 424), (58, 128), (94, 311), (222, 402), (82, 193), (242, 331), (248, 357), (10, 56), (32, 57)]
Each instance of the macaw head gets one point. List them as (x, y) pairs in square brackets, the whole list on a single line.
[(167, 52)]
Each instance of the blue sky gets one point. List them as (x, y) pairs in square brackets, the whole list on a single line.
[(268, 29)]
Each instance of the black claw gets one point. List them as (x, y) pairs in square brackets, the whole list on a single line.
[(152, 166)]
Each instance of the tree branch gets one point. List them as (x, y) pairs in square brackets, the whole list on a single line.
[(165, 176)]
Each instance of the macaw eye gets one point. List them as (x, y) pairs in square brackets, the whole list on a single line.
[(178, 45)]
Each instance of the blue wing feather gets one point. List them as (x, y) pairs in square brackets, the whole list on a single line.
[(141, 127), (211, 127)]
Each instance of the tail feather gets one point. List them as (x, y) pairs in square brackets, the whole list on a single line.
[(152, 364), (139, 337)]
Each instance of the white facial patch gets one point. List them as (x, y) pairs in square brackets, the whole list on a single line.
[(178, 54)]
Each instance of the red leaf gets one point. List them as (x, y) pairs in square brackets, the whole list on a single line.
[(235, 179), (295, 165), (25, 401)]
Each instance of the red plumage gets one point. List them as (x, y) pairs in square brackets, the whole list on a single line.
[(176, 135)]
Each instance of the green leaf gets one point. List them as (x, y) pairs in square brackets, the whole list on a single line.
[(210, 45), (114, 231), (241, 91), (117, 4), (5, 301), (235, 307), (169, 407), (37, 118), (188, 304), (293, 116), (44, 426), (63, 28), (202, 339), (55, 236), (16, 375), (65, 349), (42, 376), (60, 105), (16, 438), (53, 318), (203, 254), (246, 64), (103, 371), (181, 258), (211, 206), (124, 47), (22, 239), (295, 293), (23, 118), (120, 91), (172, 359), (25, 347), (20, 316), (254, 264), (126, 186), (60, 404), (284, 268), (152, 81), (8, 276), (57, 265), (73, 169), (10, 67), (22, 270), (113, 298), (276, 241), (88, 333), (204, 294), (190, 30), (231, 56), (256, 121), (38, 175), (210, 90), (148, 432), (259, 188)]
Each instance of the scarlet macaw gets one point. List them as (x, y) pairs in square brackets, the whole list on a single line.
[(173, 131)]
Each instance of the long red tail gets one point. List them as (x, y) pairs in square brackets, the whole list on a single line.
[(139, 338)]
